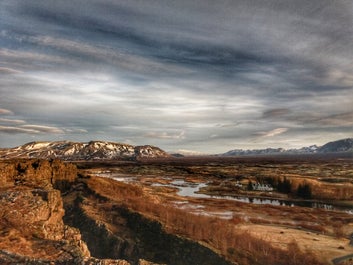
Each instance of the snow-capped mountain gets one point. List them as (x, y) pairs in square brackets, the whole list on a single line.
[(270, 151), (345, 145), (94, 150)]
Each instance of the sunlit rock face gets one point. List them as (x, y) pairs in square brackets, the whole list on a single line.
[(31, 208), (36, 173)]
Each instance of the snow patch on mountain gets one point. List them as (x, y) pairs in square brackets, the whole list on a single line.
[(93, 150), (35, 145), (344, 145)]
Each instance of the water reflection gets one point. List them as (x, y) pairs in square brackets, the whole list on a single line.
[(191, 189), (188, 189)]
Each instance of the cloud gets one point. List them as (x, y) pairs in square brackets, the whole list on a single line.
[(342, 119), (11, 121), (225, 125), (165, 135), (273, 132), (138, 70), (6, 70), (76, 130), (5, 112), (16, 130), (343, 77), (30, 129), (273, 113), (43, 129), (23, 58)]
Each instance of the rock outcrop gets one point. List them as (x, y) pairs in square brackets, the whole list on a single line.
[(36, 173), (124, 233), (31, 210)]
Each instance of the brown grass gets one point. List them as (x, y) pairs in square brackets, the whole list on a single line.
[(220, 235)]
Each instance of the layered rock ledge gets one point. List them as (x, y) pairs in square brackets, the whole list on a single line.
[(31, 210)]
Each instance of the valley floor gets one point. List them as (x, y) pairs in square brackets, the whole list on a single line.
[(208, 201)]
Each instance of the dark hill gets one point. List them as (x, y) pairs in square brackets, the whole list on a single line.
[(343, 145)]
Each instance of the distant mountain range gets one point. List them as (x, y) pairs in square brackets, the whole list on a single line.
[(73, 151), (101, 150), (344, 145)]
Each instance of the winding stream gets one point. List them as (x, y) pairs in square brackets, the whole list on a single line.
[(190, 189)]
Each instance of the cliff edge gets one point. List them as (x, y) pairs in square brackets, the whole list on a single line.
[(31, 209)]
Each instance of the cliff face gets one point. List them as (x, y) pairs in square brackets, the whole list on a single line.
[(34, 212), (31, 211), (126, 234), (36, 173)]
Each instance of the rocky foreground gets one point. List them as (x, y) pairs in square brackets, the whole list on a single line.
[(31, 224), (49, 215)]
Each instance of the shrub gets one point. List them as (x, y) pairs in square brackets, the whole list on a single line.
[(304, 191), (284, 186)]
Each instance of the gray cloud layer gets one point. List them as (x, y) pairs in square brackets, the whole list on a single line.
[(202, 75)]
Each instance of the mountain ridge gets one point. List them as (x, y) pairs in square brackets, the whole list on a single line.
[(338, 146), (93, 150), (105, 150)]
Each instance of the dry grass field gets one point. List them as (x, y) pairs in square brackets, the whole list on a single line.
[(213, 211)]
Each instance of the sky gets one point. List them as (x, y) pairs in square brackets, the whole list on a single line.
[(193, 75)]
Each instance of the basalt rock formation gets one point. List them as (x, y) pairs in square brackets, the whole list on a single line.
[(31, 209), (122, 233), (36, 173)]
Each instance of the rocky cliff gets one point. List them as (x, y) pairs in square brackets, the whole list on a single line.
[(31, 210), (127, 234), (36, 173)]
